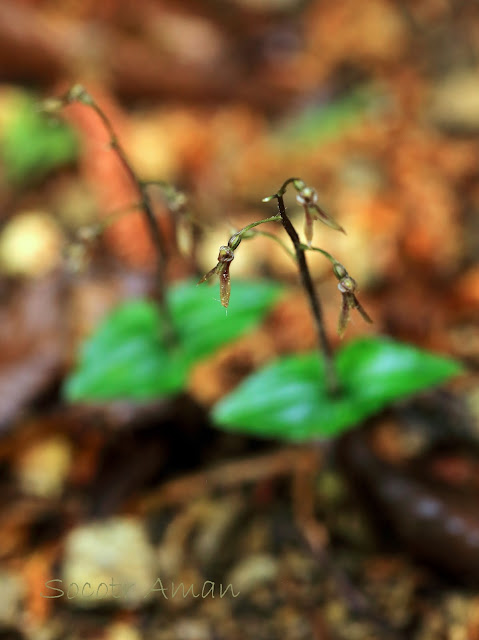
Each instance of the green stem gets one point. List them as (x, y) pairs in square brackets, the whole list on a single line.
[(282, 189), (255, 224), (282, 244), (333, 260), (236, 238)]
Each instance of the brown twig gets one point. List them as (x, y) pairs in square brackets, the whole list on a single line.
[(228, 475), (79, 94)]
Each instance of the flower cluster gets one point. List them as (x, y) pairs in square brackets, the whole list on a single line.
[(307, 197)]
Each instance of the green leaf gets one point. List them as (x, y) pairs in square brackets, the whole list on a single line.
[(34, 144), (126, 357), (203, 324), (288, 399)]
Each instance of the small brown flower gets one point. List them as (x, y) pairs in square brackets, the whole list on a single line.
[(348, 287), (222, 269), (307, 197)]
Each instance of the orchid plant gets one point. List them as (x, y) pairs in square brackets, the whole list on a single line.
[(145, 349), (308, 198), (296, 399)]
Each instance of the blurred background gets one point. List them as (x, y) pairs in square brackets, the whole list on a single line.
[(376, 105)]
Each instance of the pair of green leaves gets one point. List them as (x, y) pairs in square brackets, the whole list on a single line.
[(288, 399), (126, 359)]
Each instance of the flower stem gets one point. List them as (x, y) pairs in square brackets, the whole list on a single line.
[(332, 383), (282, 244), (258, 222), (331, 259), (79, 94)]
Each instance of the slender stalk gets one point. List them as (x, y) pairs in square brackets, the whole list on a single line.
[(237, 237), (115, 215), (331, 259), (145, 202), (323, 342), (145, 205), (282, 244), (258, 222)]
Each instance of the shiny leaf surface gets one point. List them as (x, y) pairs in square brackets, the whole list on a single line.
[(127, 358), (288, 399)]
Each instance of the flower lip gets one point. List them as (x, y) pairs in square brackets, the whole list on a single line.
[(226, 254), (307, 196), (347, 285)]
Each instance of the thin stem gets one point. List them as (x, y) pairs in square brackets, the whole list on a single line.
[(331, 259), (236, 238), (145, 202), (157, 183), (116, 214), (175, 200), (145, 205), (323, 342), (282, 190), (282, 244), (255, 224)]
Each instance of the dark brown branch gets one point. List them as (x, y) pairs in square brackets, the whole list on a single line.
[(323, 342)]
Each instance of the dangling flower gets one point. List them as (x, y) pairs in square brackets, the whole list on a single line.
[(348, 287), (308, 227), (307, 197), (225, 257)]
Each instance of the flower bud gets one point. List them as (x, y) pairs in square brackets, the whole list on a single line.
[(307, 197), (339, 271), (177, 201), (234, 241), (299, 185), (226, 254), (78, 92), (347, 285)]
